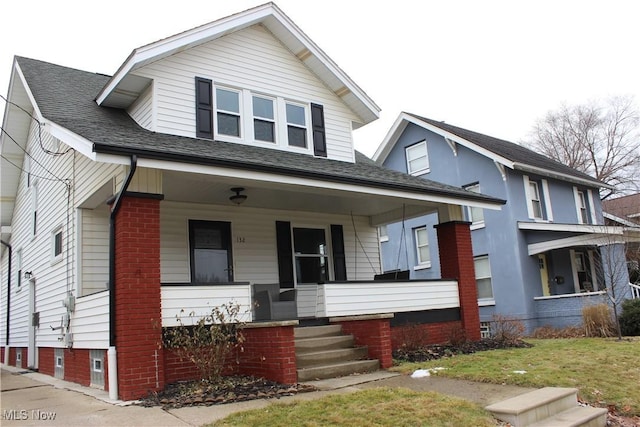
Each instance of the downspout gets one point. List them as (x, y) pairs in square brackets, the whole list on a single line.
[(111, 353), (6, 340)]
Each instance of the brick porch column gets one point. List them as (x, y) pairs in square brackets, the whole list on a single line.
[(137, 285), (456, 262)]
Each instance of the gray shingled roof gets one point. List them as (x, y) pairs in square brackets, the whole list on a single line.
[(514, 152), (66, 97)]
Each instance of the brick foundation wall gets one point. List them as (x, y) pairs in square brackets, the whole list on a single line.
[(427, 333), (2, 354), (77, 367), (269, 353), (46, 361), (137, 295), (375, 334), (456, 262)]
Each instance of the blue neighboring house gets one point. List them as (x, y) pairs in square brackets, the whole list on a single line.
[(540, 259)]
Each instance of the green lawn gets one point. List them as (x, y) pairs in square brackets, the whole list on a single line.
[(605, 371), (376, 407)]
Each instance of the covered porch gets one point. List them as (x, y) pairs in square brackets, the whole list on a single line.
[(183, 245)]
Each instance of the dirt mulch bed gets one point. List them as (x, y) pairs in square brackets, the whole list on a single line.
[(433, 352), (230, 389)]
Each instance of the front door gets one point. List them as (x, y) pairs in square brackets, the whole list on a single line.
[(544, 274), (210, 247)]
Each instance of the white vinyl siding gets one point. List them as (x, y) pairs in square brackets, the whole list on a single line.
[(250, 59), (253, 237), (94, 240), (417, 158), (56, 207), (142, 109), (90, 321)]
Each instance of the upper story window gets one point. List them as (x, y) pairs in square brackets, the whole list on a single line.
[(244, 116), (538, 199), (296, 126), (423, 254), (228, 112), (417, 158), (264, 122), (584, 206), (474, 215), (34, 209), (18, 264)]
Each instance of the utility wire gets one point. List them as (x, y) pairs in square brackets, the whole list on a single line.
[(34, 118), (32, 174), (30, 156)]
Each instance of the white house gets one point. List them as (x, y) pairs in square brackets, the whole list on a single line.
[(211, 162)]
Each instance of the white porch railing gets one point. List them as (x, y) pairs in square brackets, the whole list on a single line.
[(362, 298), (182, 300), (635, 291)]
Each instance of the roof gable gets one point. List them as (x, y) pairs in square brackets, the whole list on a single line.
[(508, 154), (123, 88)]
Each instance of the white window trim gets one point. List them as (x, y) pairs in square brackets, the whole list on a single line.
[(242, 126), (247, 135), (417, 146), (57, 258), (327, 239), (546, 194), (529, 200), (594, 218), (485, 301), (421, 264), (383, 237), (59, 362), (93, 365), (33, 221), (265, 119), (18, 265)]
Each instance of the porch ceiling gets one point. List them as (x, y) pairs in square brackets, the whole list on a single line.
[(201, 188)]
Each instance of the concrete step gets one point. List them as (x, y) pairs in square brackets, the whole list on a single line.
[(535, 406), (337, 370), (317, 331), (317, 358), (306, 345), (579, 416)]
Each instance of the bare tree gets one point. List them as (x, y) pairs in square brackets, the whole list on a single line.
[(600, 138)]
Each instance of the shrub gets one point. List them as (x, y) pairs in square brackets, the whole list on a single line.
[(598, 321), (456, 335), (630, 317), (507, 330), (208, 341), (411, 337), (546, 332)]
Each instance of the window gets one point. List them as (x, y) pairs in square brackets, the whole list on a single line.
[(97, 365), (228, 112), (534, 194), (263, 119), (56, 244), (383, 234), (210, 251), (474, 215), (59, 362), (582, 208), (311, 255), (485, 329), (483, 277), (19, 268), (417, 158), (422, 247), (296, 125)]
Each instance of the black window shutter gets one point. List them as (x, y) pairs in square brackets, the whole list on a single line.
[(339, 258), (204, 108), (317, 122), (285, 254)]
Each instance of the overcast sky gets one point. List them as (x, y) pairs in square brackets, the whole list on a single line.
[(489, 66)]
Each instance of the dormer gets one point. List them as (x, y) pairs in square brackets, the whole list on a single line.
[(251, 78)]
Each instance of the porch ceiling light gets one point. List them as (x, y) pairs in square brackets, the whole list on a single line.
[(238, 198)]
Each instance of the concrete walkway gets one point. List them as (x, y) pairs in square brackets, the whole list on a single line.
[(33, 399)]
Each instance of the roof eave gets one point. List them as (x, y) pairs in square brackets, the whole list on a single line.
[(561, 176)]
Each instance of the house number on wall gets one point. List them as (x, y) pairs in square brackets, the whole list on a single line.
[(240, 239)]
